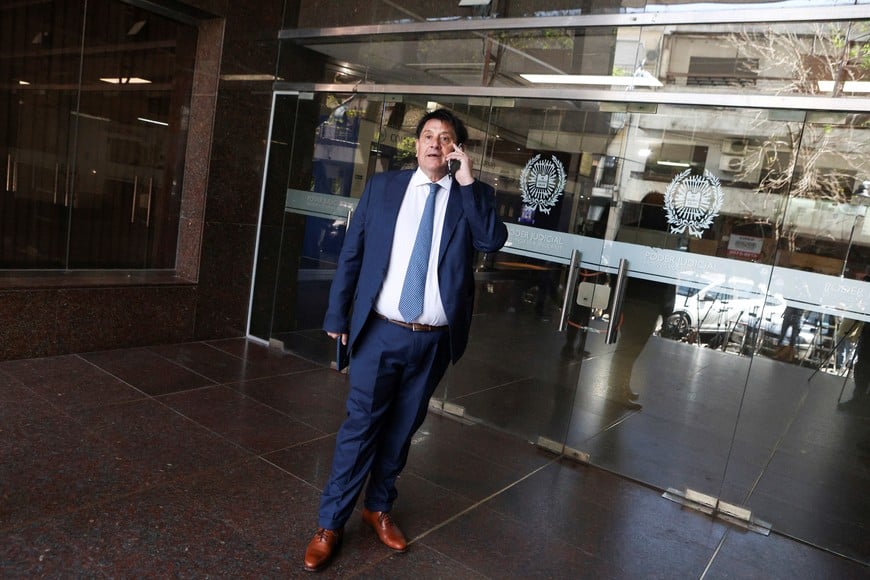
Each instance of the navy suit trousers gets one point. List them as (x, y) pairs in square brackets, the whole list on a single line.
[(393, 373)]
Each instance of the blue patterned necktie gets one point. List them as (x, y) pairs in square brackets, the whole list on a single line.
[(411, 301)]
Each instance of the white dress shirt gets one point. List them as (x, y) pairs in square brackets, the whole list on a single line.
[(407, 224)]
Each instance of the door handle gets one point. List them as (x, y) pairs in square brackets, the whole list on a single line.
[(135, 192), (618, 296), (56, 181), (148, 210), (573, 273), (67, 185), (8, 172)]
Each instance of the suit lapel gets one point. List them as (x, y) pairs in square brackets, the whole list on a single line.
[(394, 193), (392, 197), (451, 218)]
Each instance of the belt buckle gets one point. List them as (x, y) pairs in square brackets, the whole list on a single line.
[(417, 327)]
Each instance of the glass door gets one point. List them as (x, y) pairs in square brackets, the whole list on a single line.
[(526, 350), (688, 301), (630, 358), (802, 445), (323, 149)]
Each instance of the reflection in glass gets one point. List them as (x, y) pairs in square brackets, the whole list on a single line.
[(825, 59), (314, 14)]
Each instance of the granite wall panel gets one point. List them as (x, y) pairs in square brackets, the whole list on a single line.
[(50, 322)]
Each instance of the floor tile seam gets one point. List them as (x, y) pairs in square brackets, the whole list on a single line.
[(482, 458), (156, 399), (774, 448), (160, 399), (498, 386), (372, 567), (300, 443), (625, 417), (339, 401), (291, 417), (227, 386), (240, 358), (480, 503), (643, 485), (63, 409), (152, 350), (75, 415), (410, 471), (116, 377), (830, 516), (53, 408), (310, 484), (209, 344), (506, 515), (819, 548), (785, 536), (247, 450), (715, 554)]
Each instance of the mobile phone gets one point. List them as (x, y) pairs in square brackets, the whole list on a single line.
[(341, 355), (453, 164)]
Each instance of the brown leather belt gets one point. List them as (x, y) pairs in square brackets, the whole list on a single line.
[(416, 327)]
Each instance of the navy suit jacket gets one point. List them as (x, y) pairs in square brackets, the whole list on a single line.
[(470, 224)]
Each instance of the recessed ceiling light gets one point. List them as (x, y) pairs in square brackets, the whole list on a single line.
[(152, 121), (125, 80), (137, 27)]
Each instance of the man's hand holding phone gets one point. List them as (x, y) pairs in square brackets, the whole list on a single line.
[(459, 165)]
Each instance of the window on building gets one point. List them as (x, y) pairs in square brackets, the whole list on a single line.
[(712, 71), (93, 116)]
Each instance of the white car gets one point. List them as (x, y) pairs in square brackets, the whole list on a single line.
[(736, 310)]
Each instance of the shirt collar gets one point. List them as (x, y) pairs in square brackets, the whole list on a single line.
[(419, 178)]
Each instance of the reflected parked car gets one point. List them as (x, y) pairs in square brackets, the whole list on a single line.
[(737, 312), (719, 307)]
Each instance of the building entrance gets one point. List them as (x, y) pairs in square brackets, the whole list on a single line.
[(648, 314)]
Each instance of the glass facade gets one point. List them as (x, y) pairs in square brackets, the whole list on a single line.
[(93, 114), (313, 14), (685, 187)]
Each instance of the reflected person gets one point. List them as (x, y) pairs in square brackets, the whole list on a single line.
[(400, 348), (792, 319)]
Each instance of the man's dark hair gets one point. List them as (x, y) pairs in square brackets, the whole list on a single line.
[(445, 116)]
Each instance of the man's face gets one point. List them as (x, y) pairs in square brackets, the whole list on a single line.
[(435, 142)]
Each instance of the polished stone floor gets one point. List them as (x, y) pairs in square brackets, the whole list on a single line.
[(206, 459)]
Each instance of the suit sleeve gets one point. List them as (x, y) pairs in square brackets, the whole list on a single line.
[(488, 232), (341, 293)]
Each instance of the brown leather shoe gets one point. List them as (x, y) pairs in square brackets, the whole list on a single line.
[(387, 530), (321, 548)]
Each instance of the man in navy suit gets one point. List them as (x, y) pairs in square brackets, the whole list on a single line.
[(395, 363)]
